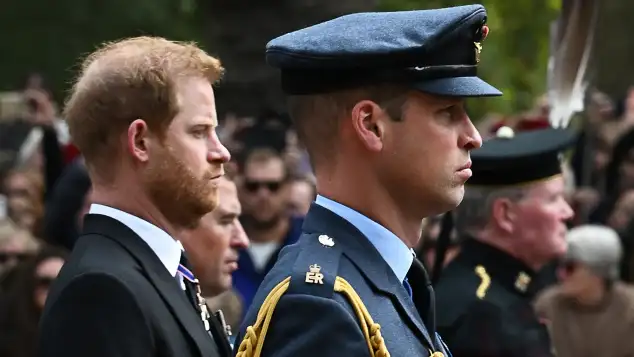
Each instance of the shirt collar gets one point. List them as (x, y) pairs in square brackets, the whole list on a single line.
[(393, 250), (166, 248)]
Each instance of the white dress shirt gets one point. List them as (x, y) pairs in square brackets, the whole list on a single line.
[(393, 250)]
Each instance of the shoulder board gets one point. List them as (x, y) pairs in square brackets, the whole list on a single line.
[(314, 273), (316, 267), (485, 281)]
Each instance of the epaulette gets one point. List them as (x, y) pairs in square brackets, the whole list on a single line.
[(316, 266), (485, 281), (314, 273)]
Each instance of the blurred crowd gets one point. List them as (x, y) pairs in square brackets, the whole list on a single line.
[(45, 192)]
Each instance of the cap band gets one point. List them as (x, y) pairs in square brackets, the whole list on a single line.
[(315, 81)]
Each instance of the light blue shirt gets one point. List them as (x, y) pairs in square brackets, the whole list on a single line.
[(393, 250)]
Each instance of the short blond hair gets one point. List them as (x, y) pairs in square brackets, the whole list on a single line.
[(127, 80), (317, 117)]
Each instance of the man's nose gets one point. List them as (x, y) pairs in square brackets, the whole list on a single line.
[(217, 152), (568, 212), (470, 139), (239, 239)]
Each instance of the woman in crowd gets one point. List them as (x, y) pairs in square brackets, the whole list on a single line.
[(23, 303), (16, 244)]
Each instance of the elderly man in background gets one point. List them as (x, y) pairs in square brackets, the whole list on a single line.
[(511, 223), (590, 301)]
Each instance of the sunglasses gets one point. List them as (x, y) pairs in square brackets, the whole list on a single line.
[(255, 186), (44, 281), (18, 193), (6, 257), (569, 267)]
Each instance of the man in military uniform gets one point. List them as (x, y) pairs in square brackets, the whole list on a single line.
[(512, 223), (378, 101)]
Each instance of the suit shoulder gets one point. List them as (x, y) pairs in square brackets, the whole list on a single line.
[(94, 292), (96, 253), (91, 314), (85, 271), (100, 284)]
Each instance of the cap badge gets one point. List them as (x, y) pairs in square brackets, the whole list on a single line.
[(484, 32), (522, 281), (504, 132), (478, 49)]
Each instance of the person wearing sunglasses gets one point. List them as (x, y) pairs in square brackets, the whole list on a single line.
[(24, 301), (590, 300), (264, 190)]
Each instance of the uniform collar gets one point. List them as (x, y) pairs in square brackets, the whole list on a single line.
[(500, 266), (391, 248), (166, 248)]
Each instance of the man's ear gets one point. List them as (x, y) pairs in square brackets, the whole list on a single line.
[(138, 140), (367, 124), (503, 212)]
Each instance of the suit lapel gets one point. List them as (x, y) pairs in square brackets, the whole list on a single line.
[(369, 261), (154, 270)]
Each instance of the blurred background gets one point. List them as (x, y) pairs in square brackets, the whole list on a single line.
[(44, 190)]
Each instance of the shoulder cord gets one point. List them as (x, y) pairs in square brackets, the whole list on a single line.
[(255, 334)]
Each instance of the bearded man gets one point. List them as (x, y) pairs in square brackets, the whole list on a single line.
[(143, 115)]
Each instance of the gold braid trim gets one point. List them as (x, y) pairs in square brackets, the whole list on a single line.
[(485, 281), (251, 345)]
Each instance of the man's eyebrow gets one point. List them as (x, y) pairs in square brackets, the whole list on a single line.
[(208, 120), (227, 213), (232, 213)]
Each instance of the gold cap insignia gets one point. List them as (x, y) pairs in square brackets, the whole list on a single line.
[(478, 49), (483, 33)]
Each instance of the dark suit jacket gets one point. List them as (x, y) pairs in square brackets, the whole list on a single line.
[(114, 297), (313, 320), (485, 306)]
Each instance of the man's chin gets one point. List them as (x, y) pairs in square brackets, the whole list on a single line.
[(207, 203), (212, 200), (227, 283), (223, 285), (189, 216)]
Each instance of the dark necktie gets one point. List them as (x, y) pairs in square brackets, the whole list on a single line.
[(408, 288)]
